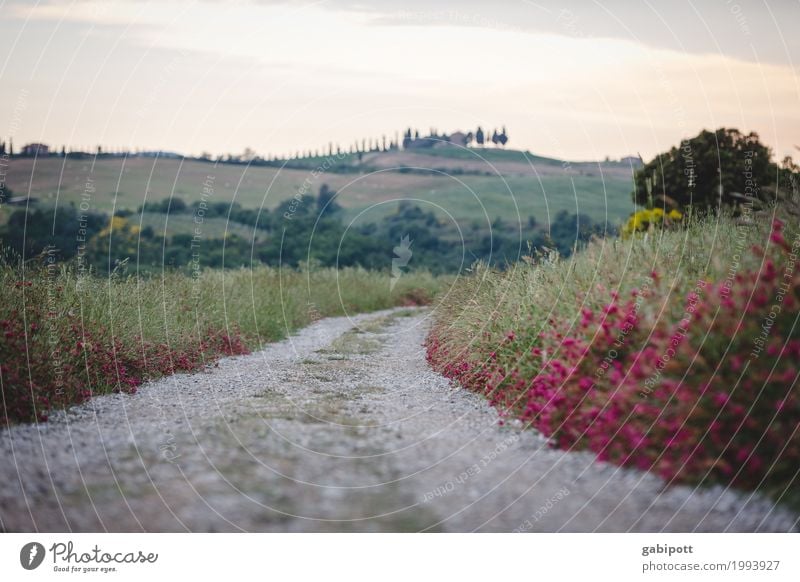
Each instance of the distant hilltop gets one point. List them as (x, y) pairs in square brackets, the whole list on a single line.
[(458, 138), (412, 139), (347, 157)]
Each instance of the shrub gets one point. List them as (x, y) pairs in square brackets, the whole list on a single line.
[(694, 380), (707, 171), (643, 220)]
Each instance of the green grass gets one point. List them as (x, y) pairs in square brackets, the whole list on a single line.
[(488, 154), (522, 160), (176, 223), (67, 337), (484, 198), (672, 351), (337, 161), (264, 304), (545, 290)]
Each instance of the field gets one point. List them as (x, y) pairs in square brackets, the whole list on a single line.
[(672, 351), (457, 187), (213, 228), (66, 338)]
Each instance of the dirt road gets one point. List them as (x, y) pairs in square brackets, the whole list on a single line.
[(342, 427)]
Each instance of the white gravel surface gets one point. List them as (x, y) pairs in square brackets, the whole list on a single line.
[(342, 427)]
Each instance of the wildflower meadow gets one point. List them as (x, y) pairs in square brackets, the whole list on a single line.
[(679, 358)]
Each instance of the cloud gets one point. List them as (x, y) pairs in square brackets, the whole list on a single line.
[(744, 29), (300, 66)]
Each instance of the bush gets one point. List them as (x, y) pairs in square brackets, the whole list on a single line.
[(647, 219), (691, 377), (707, 171)]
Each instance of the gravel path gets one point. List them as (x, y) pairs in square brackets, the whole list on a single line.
[(342, 427)]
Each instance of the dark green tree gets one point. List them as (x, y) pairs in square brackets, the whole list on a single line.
[(326, 201), (503, 137), (63, 230), (708, 171)]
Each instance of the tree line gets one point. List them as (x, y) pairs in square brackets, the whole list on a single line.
[(356, 149), (413, 139)]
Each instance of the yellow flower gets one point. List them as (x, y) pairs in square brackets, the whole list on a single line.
[(642, 219), (118, 225)]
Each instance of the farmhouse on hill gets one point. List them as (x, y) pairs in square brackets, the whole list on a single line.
[(36, 149), (413, 140), (458, 138)]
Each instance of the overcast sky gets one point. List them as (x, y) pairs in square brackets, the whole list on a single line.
[(574, 80)]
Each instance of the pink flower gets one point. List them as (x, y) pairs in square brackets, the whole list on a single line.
[(721, 398)]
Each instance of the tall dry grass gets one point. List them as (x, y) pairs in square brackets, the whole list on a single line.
[(67, 337)]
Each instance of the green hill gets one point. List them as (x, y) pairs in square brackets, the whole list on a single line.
[(469, 185)]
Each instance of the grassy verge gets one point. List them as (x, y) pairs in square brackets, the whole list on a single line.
[(65, 338), (672, 351)]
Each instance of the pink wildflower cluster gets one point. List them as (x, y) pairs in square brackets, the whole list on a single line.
[(702, 389), (46, 367)]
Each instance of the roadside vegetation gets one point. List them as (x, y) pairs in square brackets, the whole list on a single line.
[(466, 187), (174, 235), (68, 337), (673, 349)]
